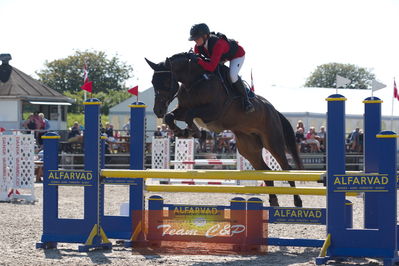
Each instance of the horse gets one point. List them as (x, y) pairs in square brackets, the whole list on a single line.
[(204, 99)]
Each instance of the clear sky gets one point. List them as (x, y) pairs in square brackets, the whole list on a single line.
[(284, 40)]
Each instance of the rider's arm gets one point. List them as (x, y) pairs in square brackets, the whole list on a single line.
[(221, 47)]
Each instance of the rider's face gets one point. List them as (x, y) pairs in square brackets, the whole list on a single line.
[(200, 41)]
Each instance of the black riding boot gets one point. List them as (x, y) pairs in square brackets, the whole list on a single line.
[(239, 86)]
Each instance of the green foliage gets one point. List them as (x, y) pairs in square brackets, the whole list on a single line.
[(107, 99), (325, 76), (66, 75), (72, 118)]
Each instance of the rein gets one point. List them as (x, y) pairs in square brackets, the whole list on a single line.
[(204, 77), (171, 80)]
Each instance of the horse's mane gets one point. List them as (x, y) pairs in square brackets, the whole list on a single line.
[(183, 58)]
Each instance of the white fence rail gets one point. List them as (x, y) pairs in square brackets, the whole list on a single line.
[(17, 167)]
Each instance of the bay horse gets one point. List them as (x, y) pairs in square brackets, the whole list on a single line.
[(203, 97)]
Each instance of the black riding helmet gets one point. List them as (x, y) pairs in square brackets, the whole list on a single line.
[(198, 30)]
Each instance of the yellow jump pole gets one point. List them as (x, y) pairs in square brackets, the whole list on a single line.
[(237, 189), (215, 174), (316, 191)]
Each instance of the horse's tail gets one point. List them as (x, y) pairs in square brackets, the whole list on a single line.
[(290, 142)]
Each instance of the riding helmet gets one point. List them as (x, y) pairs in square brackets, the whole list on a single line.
[(198, 30)]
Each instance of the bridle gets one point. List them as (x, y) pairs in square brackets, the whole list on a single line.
[(172, 80)]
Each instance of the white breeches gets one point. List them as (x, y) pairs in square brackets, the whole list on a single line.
[(235, 66)]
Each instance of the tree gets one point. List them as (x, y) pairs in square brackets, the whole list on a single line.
[(107, 100), (325, 76), (66, 75)]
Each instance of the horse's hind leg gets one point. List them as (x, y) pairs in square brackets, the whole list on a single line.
[(277, 149), (250, 146)]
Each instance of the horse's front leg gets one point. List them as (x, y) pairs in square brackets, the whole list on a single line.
[(205, 112), (178, 114)]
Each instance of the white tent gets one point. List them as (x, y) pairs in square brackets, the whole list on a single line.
[(309, 105), (120, 113), (306, 104)]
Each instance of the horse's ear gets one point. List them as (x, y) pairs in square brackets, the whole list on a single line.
[(154, 66)]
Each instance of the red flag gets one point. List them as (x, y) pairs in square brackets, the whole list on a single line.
[(395, 90), (88, 86), (252, 83), (134, 90)]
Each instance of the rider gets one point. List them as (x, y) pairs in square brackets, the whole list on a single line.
[(220, 49)]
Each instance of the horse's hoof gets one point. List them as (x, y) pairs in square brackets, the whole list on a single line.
[(274, 202), (298, 202), (179, 133), (186, 133), (196, 135)]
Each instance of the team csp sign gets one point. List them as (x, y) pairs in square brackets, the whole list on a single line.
[(361, 183), (70, 178)]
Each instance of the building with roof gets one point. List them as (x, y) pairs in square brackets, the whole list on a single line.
[(120, 113), (20, 93)]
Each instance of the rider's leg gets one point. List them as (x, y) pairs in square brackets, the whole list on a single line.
[(235, 66)]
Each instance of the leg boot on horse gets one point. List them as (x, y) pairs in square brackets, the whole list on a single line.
[(239, 86)]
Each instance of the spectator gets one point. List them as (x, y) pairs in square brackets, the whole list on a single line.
[(126, 127), (232, 143), (300, 125), (34, 122), (38, 120), (312, 140), (353, 140), (202, 140), (300, 140), (224, 141), (158, 133), (322, 138), (107, 148), (30, 123), (109, 130), (43, 126), (360, 144), (169, 134), (45, 121), (75, 133), (164, 130)]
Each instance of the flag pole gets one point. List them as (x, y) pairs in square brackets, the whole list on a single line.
[(393, 96), (336, 84), (392, 114)]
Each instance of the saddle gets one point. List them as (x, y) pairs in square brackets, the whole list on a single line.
[(222, 72)]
